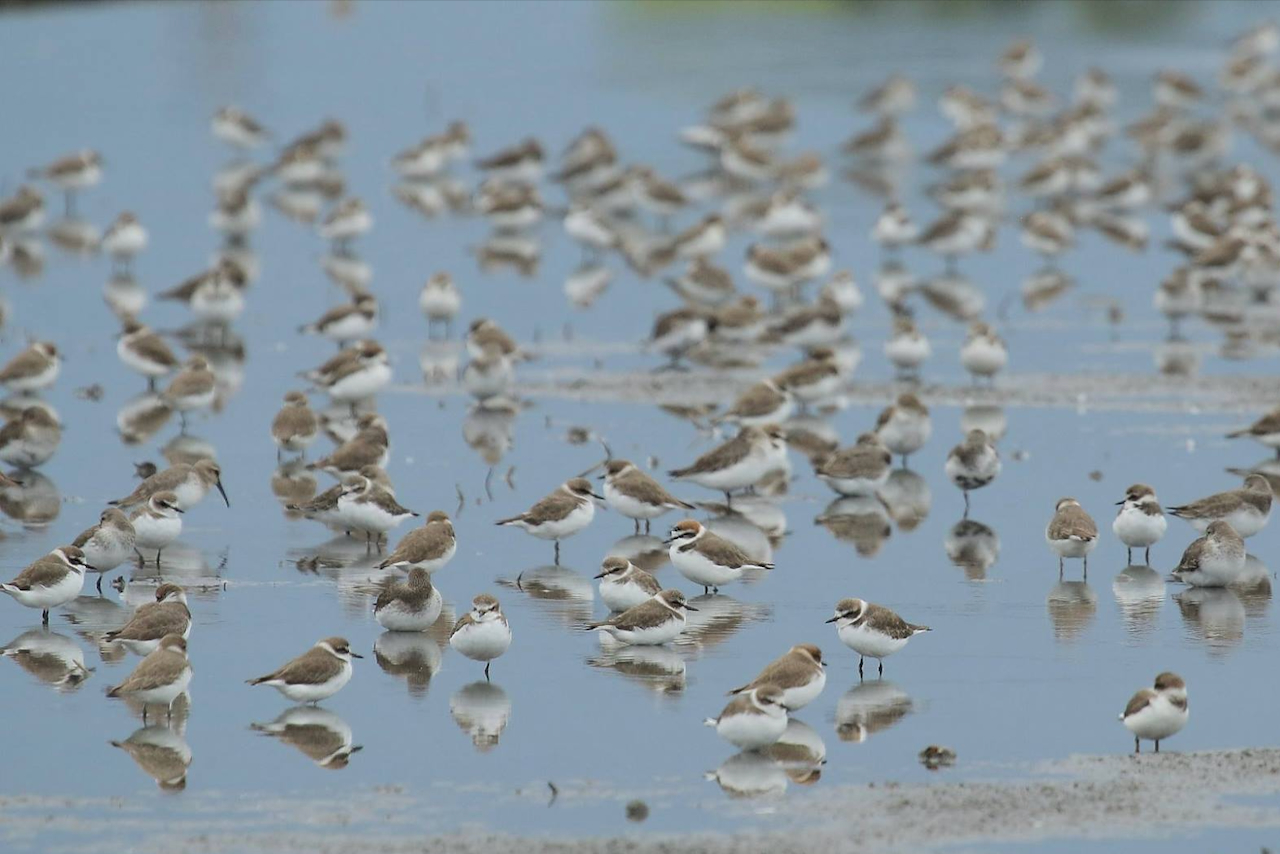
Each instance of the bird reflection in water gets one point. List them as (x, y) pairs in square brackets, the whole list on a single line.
[(659, 668), (162, 752), (868, 708), (860, 520), (318, 734), (52, 658), (482, 710), (1072, 605), (972, 546)]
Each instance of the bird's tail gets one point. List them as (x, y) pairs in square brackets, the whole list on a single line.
[(510, 521), (915, 630), (113, 691), (1238, 433)]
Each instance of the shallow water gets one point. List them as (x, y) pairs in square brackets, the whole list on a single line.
[(1019, 668)]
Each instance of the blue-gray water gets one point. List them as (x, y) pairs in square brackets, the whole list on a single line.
[(1017, 669)]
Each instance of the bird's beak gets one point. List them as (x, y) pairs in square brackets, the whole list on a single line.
[(600, 477), (689, 607), (354, 654), (179, 510), (602, 575), (668, 541), (1118, 503), (89, 568), (224, 492), (833, 619), (597, 497)]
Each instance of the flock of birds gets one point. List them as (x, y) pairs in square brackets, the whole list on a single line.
[(1221, 215)]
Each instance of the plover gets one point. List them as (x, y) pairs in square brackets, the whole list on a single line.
[(1047, 233), (708, 559), (677, 332), (50, 581), (428, 548), (655, 621), (145, 352), (561, 514), (169, 614), (22, 212), (369, 446), (815, 379), (1247, 508), (1214, 560), (702, 240), (30, 439), (800, 674), (882, 145), (160, 678), (409, 606), (859, 469), (956, 233), (157, 524), (762, 403), (238, 129), (107, 544), (819, 324), (439, 301), (519, 163), (588, 227), (357, 319), (161, 752), (367, 507), (703, 283), (316, 675), (482, 634), (124, 238), (1140, 523), (295, 426), (1071, 533), (842, 289), (872, 631), (363, 372), (74, 172), (636, 495), (215, 295), (194, 387), (973, 464), (754, 720), (34, 369), (894, 228), (1156, 714), (509, 208), (907, 347), (1266, 430), (979, 147), (236, 214), (740, 462), (983, 353), (623, 585), (904, 426), (896, 95), (738, 322), (486, 336), (189, 482)]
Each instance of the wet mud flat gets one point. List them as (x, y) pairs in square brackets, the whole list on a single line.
[(1083, 797)]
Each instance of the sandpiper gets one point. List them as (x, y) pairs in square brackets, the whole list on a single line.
[(194, 387), (872, 630), (357, 319), (561, 514), (740, 462), (762, 403), (904, 426), (973, 464), (1156, 714), (623, 585), (145, 352), (440, 301), (365, 506), (482, 634), (708, 559), (74, 172), (427, 548), (356, 374), (238, 129), (655, 621), (636, 495), (894, 227), (677, 332), (34, 369), (189, 482), (157, 524), (107, 544), (815, 379), (1140, 523), (124, 238), (169, 614), (316, 675), (1247, 508), (215, 295), (295, 426), (738, 322), (907, 347), (983, 353), (1214, 560), (860, 469), (1071, 533), (160, 678), (1266, 430), (348, 220), (411, 606), (800, 674), (703, 283), (369, 446), (485, 335), (30, 439), (754, 720), (50, 581)]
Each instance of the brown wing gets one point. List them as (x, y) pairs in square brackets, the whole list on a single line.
[(25, 364), (724, 456), (887, 622), (185, 290), (648, 490), (1139, 701), (389, 592), (190, 383), (724, 552), (154, 623), (858, 461), (84, 537), (784, 672), (293, 421), (45, 572), (1191, 557), (1213, 507), (1072, 523), (553, 508), (757, 400), (152, 347), (464, 620), (314, 665), (644, 615), (155, 671), (161, 481)]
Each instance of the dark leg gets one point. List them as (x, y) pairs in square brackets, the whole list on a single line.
[(1137, 745), (557, 562), (1157, 745), (966, 504), (706, 591), (99, 582), (44, 617), (151, 383), (882, 667), (637, 526), (1086, 569), (1060, 568), (486, 670), (144, 714), (158, 557), (1148, 556), (1128, 555), (646, 525), (861, 661)]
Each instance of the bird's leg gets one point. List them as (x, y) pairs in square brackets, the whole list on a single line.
[(966, 504), (637, 526), (882, 668), (158, 557), (1137, 746), (144, 714), (1148, 556), (99, 582), (1060, 567), (728, 499), (706, 591), (486, 670), (646, 525), (1086, 569), (861, 661), (44, 617), (557, 558), (1128, 555), (151, 383), (1157, 745)]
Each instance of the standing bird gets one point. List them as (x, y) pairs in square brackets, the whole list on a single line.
[(50, 581), (169, 614), (800, 674), (107, 544), (708, 559), (623, 585), (189, 482), (754, 720), (160, 678), (145, 352), (1156, 714), (740, 462), (904, 426), (295, 426), (194, 387), (1071, 533), (482, 634), (440, 301), (124, 238), (636, 495), (872, 630), (1266, 430), (984, 353), (1140, 523), (316, 675), (34, 369), (561, 514), (973, 464), (156, 525), (1247, 508), (427, 548)]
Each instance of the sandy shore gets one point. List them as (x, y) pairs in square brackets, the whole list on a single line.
[(1083, 797)]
